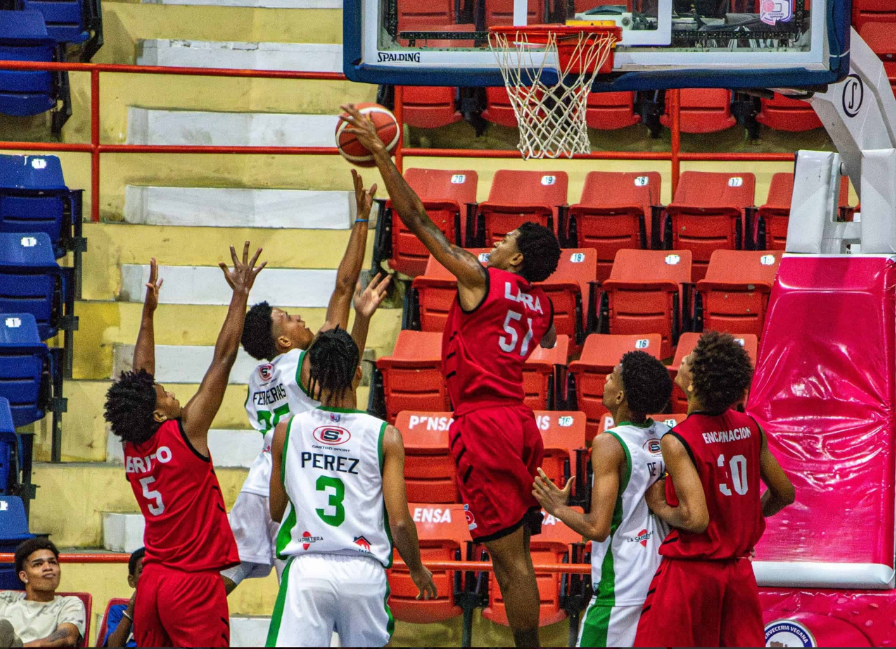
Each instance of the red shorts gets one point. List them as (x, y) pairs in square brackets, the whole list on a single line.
[(180, 609), (497, 451), (694, 603)]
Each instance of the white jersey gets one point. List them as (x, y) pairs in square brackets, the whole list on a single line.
[(332, 471), (275, 393), (624, 564)]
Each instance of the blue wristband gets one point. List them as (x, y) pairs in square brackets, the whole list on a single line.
[(361, 220)]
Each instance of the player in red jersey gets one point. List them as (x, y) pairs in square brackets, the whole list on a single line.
[(493, 327), (704, 593), (180, 598)]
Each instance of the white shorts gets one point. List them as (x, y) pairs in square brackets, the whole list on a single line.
[(256, 538), (320, 593), (609, 626)]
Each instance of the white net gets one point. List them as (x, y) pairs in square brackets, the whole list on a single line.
[(551, 116)]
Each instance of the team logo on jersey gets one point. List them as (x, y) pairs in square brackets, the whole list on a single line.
[(266, 372), (362, 543), (642, 538), (653, 446), (331, 435), (307, 539), (788, 633), (335, 417), (471, 520)]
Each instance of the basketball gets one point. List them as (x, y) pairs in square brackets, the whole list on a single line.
[(386, 127)]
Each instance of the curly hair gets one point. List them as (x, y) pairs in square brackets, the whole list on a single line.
[(258, 341), (541, 251), (334, 358), (130, 404), (29, 547), (135, 557), (721, 371), (647, 384)]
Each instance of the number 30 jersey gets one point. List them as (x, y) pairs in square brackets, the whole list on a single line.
[(275, 393), (333, 474), (484, 350), (725, 449)]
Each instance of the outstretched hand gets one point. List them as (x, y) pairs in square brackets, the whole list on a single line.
[(548, 494), (362, 128), (363, 199), (368, 301), (152, 287), (244, 272)]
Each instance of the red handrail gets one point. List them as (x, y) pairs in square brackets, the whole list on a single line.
[(95, 148), (475, 566)]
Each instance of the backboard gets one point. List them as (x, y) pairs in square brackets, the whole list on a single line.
[(665, 43)]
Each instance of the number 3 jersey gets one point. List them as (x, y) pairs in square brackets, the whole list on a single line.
[(275, 393), (725, 449), (484, 350), (179, 495), (332, 471)]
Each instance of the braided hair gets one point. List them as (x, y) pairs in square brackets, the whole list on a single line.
[(334, 358)]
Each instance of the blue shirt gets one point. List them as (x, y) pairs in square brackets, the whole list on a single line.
[(116, 613)]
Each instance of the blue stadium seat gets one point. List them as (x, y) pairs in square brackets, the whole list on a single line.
[(24, 37), (32, 282), (64, 19), (34, 198), (26, 367), (13, 530), (8, 444)]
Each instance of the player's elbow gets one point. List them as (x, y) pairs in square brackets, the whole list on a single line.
[(400, 526), (599, 533), (698, 523), (787, 496)]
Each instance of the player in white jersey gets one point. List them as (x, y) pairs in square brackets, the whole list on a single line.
[(625, 534), (338, 487), (277, 388)]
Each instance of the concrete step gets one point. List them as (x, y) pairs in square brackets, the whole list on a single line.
[(184, 363), (232, 449), (239, 208), (183, 127), (304, 57), (123, 532)]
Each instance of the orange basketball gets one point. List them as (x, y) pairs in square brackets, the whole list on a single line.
[(386, 127)]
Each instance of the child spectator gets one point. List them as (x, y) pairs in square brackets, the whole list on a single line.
[(120, 623)]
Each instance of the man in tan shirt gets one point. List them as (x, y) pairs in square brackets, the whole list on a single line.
[(38, 616)]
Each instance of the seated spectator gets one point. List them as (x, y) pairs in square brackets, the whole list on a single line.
[(120, 624), (37, 615)]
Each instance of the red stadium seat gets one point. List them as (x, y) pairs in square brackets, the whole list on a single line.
[(436, 291), (609, 111), (786, 114), (412, 377), (443, 534), (87, 599), (519, 196), (670, 419), (734, 294), (500, 12), (430, 107), (430, 15), (879, 36), (614, 213), (444, 194), (101, 636), (645, 294), (703, 110), (429, 469), (770, 226), (498, 109), (540, 374), (686, 346), (708, 214), (570, 291), (865, 11), (564, 444), (599, 357), (552, 546)]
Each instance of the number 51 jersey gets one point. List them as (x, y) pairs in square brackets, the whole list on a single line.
[(332, 471), (484, 350)]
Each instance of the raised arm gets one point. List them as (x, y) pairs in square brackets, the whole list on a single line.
[(145, 349), (471, 276), (606, 458), (278, 497), (350, 267), (199, 413), (404, 532), (780, 491), (691, 515), (366, 304)]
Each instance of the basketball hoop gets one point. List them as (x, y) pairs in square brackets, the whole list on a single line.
[(551, 116)]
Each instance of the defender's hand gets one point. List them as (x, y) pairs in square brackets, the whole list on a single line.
[(363, 199), (368, 302), (362, 128), (244, 272), (548, 494)]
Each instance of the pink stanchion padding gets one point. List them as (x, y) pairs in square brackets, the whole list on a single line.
[(828, 618), (824, 392)]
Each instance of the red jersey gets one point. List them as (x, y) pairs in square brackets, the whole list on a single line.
[(179, 495), (725, 450), (483, 350)]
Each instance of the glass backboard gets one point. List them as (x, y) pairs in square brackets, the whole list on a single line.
[(665, 43)]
